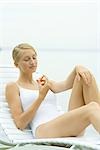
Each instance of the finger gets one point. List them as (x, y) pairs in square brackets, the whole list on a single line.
[(88, 76), (84, 77), (78, 77), (38, 81), (41, 78), (42, 82), (44, 78)]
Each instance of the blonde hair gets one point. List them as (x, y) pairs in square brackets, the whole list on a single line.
[(19, 50)]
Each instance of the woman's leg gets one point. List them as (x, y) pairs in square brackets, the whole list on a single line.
[(71, 123), (91, 93), (75, 121), (83, 94), (76, 98)]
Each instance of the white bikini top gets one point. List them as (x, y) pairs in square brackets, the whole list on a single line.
[(28, 96)]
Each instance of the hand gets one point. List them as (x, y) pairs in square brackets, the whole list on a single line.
[(42, 80), (43, 86), (84, 73)]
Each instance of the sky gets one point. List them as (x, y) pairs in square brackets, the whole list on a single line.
[(66, 24)]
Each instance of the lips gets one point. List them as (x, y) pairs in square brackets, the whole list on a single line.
[(31, 67)]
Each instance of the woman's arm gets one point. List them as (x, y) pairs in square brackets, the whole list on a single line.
[(63, 85), (79, 72), (22, 119)]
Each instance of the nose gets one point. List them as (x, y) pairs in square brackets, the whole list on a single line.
[(32, 61)]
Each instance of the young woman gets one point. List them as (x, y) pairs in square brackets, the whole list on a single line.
[(33, 103)]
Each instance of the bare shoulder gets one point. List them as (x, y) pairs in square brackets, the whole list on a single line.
[(11, 86)]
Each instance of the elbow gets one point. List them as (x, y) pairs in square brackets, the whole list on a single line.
[(52, 86), (54, 91), (20, 124)]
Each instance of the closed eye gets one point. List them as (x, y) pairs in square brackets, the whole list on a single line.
[(27, 59), (34, 57)]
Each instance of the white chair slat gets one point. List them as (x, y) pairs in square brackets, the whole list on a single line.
[(6, 120), (19, 137), (5, 115), (5, 109), (14, 135), (8, 126), (13, 131), (23, 141), (3, 104)]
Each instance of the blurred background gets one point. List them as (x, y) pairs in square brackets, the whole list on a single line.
[(64, 32)]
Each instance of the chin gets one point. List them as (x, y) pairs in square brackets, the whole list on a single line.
[(34, 70)]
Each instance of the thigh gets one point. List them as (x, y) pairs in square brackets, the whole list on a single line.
[(76, 98), (91, 92), (71, 123)]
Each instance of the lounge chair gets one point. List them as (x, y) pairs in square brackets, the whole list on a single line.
[(11, 136)]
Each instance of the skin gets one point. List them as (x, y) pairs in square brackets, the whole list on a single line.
[(83, 106)]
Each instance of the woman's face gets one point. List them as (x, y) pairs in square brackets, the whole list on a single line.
[(28, 61)]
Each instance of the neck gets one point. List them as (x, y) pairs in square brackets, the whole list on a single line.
[(27, 78)]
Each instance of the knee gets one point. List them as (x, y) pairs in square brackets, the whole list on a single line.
[(77, 79), (92, 79), (92, 111), (93, 107)]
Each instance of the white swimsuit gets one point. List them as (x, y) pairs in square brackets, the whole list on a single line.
[(46, 111)]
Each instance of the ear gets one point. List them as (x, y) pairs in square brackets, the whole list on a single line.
[(16, 64)]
